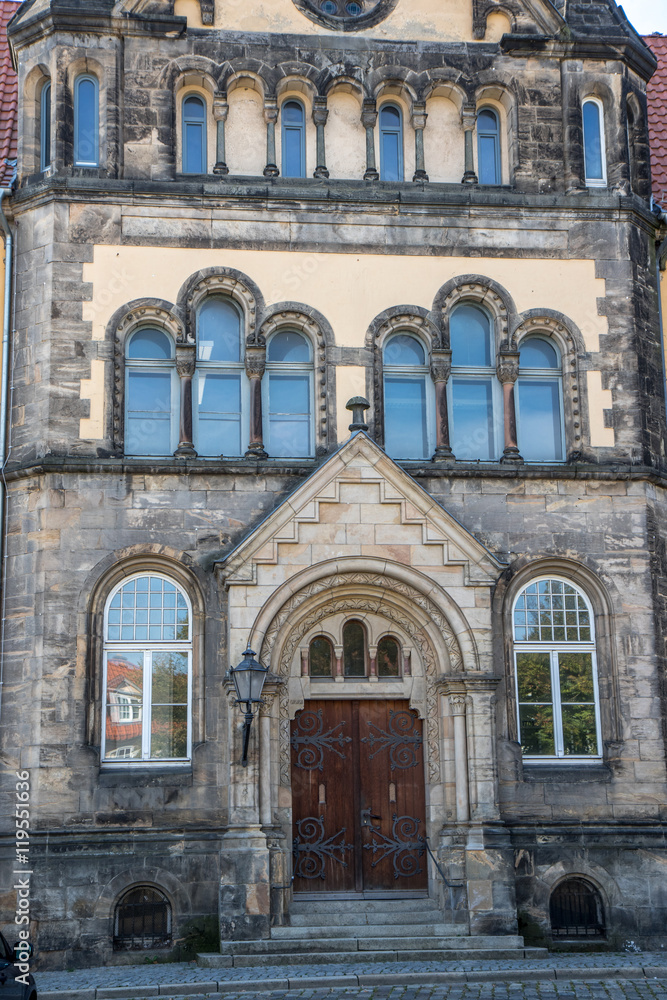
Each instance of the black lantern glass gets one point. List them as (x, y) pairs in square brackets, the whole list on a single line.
[(248, 679)]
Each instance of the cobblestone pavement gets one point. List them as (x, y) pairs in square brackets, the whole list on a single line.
[(609, 976)]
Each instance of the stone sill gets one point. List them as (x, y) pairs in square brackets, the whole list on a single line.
[(567, 773)]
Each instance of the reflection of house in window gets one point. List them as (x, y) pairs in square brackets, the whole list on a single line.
[(124, 680)]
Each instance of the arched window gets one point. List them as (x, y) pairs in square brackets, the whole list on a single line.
[(220, 382), (293, 123), (86, 122), (556, 674), (407, 398), (45, 127), (354, 649), (388, 657), (194, 135), (151, 393), (288, 395), (147, 672), (488, 147), (539, 393), (142, 920), (321, 657), (476, 433), (391, 143), (595, 166), (576, 910)]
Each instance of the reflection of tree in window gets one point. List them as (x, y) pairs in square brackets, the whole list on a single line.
[(556, 673), (354, 649), (321, 657), (388, 657)]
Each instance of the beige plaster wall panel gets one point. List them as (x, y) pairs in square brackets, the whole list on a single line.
[(350, 381), (497, 24), (599, 400), (94, 389), (425, 20), (245, 133), (372, 282), (345, 137), (190, 9), (444, 152)]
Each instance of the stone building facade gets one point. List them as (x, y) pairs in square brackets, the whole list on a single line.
[(230, 219)]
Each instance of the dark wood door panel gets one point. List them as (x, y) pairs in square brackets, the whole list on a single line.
[(358, 797)]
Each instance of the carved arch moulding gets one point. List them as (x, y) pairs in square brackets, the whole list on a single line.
[(404, 606)]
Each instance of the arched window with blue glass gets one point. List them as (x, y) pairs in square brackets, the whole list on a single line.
[(288, 396), (293, 139), (45, 127), (540, 393), (391, 143), (151, 394), (408, 399), (220, 388), (194, 134), (595, 166), (86, 121), (488, 147), (476, 430)]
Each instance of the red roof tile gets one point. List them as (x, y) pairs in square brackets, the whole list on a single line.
[(8, 97), (657, 117)]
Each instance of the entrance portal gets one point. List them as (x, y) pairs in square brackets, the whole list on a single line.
[(358, 798)]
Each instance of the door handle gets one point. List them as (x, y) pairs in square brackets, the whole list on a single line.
[(367, 818)]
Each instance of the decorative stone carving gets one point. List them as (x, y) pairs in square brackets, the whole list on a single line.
[(441, 365), (223, 283), (371, 12), (255, 361), (507, 368)]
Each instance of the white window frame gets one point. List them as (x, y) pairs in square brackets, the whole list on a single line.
[(600, 182), (148, 648), (415, 373), (489, 372), (223, 368), (288, 368), (554, 649), (554, 374)]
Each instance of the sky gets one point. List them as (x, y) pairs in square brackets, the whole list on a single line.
[(647, 16)]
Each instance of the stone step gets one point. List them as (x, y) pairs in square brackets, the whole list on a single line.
[(410, 904), (429, 916), (348, 930), (247, 960), (309, 946)]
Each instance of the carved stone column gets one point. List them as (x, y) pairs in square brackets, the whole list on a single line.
[(320, 116), (220, 112), (508, 372), (185, 366), (419, 117), (255, 363), (469, 120), (457, 708), (441, 367), (369, 118), (271, 117)]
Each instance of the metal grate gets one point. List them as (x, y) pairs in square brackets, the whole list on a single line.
[(143, 920), (576, 910)]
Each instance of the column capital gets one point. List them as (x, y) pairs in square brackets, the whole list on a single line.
[(320, 111), (441, 365), (469, 117), (220, 106), (255, 361), (185, 360), (419, 115), (507, 366), (369, 114), (270, 110)]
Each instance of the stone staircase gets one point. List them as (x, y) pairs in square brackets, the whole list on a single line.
[(347, 931)]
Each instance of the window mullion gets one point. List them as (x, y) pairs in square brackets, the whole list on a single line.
[(558, 715), (146, 721)]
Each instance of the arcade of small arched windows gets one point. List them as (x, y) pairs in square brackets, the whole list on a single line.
[(229, 385)]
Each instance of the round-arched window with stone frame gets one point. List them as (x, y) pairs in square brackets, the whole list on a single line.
[(147, 678), (556, 672), (346, 15)]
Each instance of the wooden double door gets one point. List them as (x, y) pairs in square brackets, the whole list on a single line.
[(358, 798)]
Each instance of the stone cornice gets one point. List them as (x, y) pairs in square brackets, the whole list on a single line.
[(611, 48)]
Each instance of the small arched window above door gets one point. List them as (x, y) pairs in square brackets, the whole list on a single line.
[(194, 135), (488, 147), (391, 143), (321, 657), (540, 406), (293, 136), (354, 649), (388, 657), (407, 398)]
